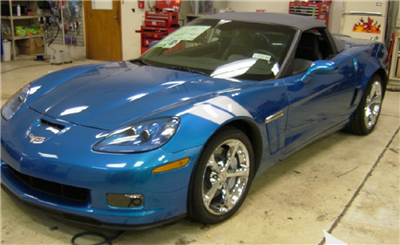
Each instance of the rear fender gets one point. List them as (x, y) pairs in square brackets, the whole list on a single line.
[(367, 63)]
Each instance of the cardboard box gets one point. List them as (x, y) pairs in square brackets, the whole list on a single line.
[(31, 46)]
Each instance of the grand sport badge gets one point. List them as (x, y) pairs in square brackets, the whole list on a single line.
[(36, 139)]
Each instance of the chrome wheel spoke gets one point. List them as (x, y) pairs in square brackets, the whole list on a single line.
[(213, 164), (369, 100), (367, 112), (376, 99), (372, 118), (373, 91), (208, 197), (227, 199), (240, 186), (233, 148), (243, 172)]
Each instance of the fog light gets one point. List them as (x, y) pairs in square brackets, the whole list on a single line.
[(125, 200)]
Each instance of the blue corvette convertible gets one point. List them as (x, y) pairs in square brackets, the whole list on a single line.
[(185, 128)]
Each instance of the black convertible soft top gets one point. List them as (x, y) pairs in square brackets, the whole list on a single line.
[(296, 21)]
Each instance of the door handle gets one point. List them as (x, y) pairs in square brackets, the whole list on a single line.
[(115, 17)]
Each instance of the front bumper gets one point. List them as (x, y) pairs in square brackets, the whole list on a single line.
[(64, 160), (84, 219)]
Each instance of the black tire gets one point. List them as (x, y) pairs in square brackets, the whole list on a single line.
[(367, 113), (213, 177)]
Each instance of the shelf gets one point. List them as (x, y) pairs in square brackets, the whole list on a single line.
[(23, 20), (24, 37), (25, 17)]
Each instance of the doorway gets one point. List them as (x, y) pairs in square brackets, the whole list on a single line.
[(103, 31)]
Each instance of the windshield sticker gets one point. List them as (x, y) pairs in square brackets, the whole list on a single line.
[(171, 44), (262, 56), (186, 33), (275, 69)]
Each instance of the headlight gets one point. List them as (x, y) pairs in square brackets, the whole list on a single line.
[(15, 102), (140, 137)]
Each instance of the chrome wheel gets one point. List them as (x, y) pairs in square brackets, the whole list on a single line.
[(225, 177), (222, 176), (366, 116), (373, 105)]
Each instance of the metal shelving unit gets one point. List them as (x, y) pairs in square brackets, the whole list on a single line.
[(13, 18)]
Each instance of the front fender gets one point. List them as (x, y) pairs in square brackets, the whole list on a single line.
[(200, 121), (249, 110)]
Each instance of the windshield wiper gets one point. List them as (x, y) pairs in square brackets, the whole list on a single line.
[(179, 68), (139, 62)]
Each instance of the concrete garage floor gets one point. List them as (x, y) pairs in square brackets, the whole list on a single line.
[(345, 184)]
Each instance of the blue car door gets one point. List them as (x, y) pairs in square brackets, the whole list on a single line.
[(322, 102)]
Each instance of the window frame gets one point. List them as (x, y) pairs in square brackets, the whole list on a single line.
[(328, 38)]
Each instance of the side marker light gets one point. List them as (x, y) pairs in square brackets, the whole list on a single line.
[(171, 166)]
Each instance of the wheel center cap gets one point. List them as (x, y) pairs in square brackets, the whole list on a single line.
[(223, 176)]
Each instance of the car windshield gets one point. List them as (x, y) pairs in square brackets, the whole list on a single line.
[(224, 49)]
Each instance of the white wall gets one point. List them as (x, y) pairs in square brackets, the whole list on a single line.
[(335, 16), (130, 22), (276, 6)]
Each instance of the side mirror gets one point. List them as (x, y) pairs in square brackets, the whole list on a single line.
[(319, 67)]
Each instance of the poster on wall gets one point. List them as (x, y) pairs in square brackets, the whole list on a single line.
[(369, 26), (102, 4)]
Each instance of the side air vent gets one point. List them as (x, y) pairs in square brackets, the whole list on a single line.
[(53, 125)]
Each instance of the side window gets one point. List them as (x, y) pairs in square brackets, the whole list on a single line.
[(313, 45)]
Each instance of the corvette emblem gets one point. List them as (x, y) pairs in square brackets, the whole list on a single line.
[(36, 139)]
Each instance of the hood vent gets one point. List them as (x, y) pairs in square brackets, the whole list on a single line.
[(53, 125)]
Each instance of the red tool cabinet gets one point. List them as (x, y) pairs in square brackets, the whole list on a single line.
[(159, 23), (318, 9)]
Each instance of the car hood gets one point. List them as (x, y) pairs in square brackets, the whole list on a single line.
[(113, 94)]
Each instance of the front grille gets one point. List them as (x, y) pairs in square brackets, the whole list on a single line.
[(64, 191)]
